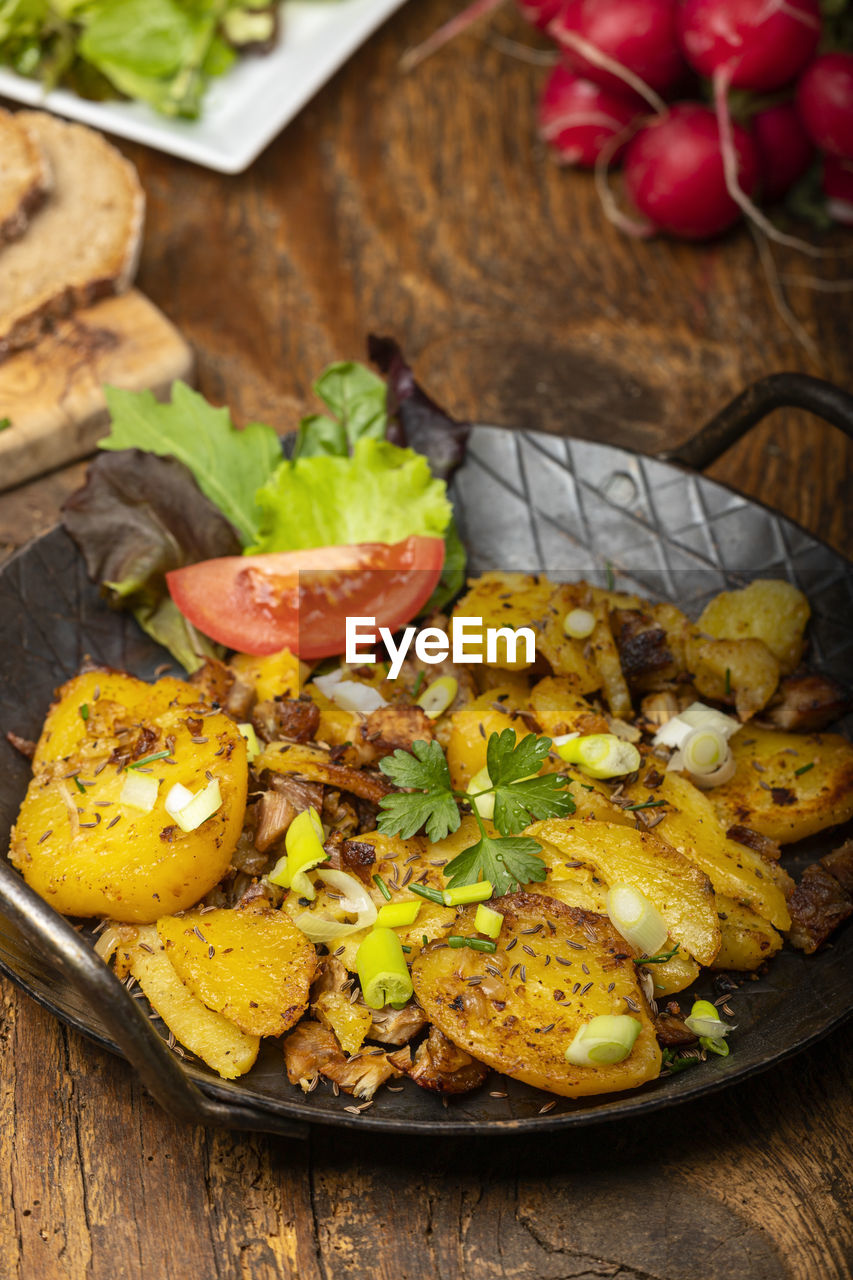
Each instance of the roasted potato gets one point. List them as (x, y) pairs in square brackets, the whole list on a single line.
[(521, 1014), (747, 939), (787, 785), (401, 863), (689, 823), (741, 671), (504, 600), (473, 725), (88, 852), (571, 659), (251, 964), (605, 656), (558, 708), (623, 855), (769, 609), (207, 1034), (580, 887), (278, 675)]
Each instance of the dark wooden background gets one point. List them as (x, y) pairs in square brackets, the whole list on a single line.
[(424, 206)]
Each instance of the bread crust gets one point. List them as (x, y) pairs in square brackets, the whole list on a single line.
[(22, 324), (29, 193)]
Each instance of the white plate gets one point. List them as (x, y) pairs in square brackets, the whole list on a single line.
[(244, 109)]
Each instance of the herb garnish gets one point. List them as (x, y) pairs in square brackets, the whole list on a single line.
[(431, 802), (646, 804), (798, 773), (158, 755), (660, 958)]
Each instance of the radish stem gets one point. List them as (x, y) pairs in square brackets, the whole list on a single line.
[(606, 63), (778, 295), (452, 28), (730, 165), (631, 226)]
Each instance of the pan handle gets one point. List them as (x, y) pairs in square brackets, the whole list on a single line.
[(777, 391), (126, 1023)]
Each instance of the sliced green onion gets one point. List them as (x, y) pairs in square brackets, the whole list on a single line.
[(382, 887), (139, 791), (426, 891), (84, 712), (397, 915), (705, 1022), (201, 806), (484, 804), (637, 918), (578, 624), (382, 970), (437, 697), (157, 755), (488, 921), (253, 747), (696, 716), (304, 845), (177, 799), (456, 940), (601, 755), (353, 900), (606, 1039), (704, 750), (713, 1045), (465, 893)]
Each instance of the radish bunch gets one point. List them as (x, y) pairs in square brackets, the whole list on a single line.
[(651, 83)]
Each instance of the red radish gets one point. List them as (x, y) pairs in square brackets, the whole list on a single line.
[(758, 44), (784, 148), (825, 102), (838, 187), (540, 12), (578, 117), (674, 172), (752, 44), (622, 42)]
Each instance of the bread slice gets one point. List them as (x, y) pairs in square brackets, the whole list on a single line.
[(83, 244), (24, 176)]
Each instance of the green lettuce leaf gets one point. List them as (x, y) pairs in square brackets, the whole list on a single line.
[(380, 494), (229, 464), (356, 399)]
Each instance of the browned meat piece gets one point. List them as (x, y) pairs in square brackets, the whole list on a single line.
[(338, 813), (356, 856), (397, 725), (358, 782), (301, 794), (397, 1026), (311, 1051), (438, 1065), (839, 864), (257, 891), (818, 906), (25, 746), (806, 702), (221, 685), (644, 653), (672, 1032), (294, 719), (768, 848), (273, 813), (331, 977)]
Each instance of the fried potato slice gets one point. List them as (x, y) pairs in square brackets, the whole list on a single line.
[(743, 671), (211, 1037), (86, 850), (522, 1021), (768, 793), (769, 609), (558, 708), (277, 675), (623, 855), (504, 600), (748, 939), (589, 893), (690, 823), (606, 658), (251, 964), (472, 726)]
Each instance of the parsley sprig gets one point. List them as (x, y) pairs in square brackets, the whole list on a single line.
[(521, 797)]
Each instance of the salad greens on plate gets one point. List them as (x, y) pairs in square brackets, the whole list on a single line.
[(163, 52), (179, 483)]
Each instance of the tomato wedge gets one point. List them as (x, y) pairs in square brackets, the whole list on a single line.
[(300, 600)]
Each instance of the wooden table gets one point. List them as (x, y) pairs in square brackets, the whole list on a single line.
[(424, 206)]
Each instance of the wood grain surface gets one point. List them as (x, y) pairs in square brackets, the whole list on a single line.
[(425, 207)]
